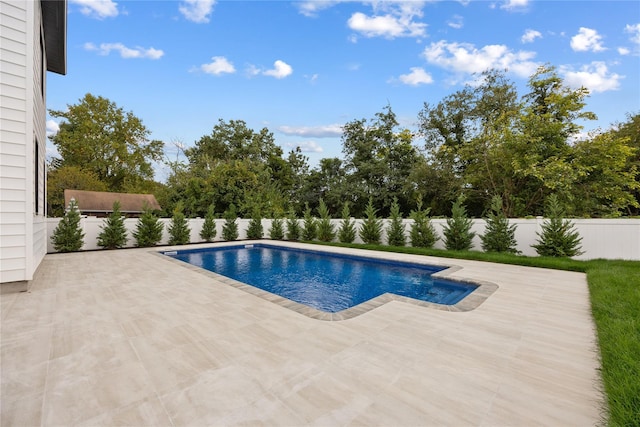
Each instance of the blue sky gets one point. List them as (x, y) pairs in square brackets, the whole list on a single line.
[(305, 68)]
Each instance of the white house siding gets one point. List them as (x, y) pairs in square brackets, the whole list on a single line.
[(22, 116), (39, 244)]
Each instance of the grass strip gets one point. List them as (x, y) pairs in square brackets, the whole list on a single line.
[(614, 287)]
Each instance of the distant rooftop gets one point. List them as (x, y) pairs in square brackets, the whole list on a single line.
[(101, 202)]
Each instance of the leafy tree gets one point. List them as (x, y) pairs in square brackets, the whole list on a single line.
[(629, 131), (558, 237), (230, 226), (254, 230), (277, 229), (148, 229), (179, 232), (310, 230), (293, 227), (457, 233), (395, 232), (114, 233), (379, 157), (208, 232), (98, 136), (498, 236), (422, 234), (68, 178), (371, 228), (326, 232), (68, 235), (607, 177), (347, 231)]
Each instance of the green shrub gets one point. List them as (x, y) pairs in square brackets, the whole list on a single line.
[(148, 229), (498, 236), (457, 233), (558, 237), (347, 231), (114, 233), (371, 228), (310, 230), (293, 226), (422, 233), (230, 226), (277, 229), (326, 232), (208, 232), (255, 230), (179, 232), (395, 232), (68, 235)]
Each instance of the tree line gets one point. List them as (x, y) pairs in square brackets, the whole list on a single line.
[(482, 141)]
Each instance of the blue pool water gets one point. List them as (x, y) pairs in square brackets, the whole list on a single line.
[(324, 281)]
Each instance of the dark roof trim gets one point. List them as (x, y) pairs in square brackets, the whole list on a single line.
[(54, 23)]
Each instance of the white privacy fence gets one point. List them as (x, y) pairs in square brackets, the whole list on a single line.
[(601, 238)]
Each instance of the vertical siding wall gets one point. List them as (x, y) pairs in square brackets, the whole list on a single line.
[(38, 95), (22, 119), (601, 238)]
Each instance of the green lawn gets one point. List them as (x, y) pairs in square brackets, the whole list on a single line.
[(615, 303)]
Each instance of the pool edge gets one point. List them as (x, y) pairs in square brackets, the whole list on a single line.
[(470, 302)]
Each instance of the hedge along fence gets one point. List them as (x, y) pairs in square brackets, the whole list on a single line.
[(601, 238)]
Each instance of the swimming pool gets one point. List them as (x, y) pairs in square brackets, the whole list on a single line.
[(325, 281)]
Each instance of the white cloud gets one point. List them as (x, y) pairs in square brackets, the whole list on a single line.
[(514, 4), (456, 22), (280, 70), (328, 131), (97, 8), (219, 65), (466, 58), (52, 128), (197, 11), (587, 39), (595, 77), (417, 76), (306, 146), (634, 30), (530, 35), (390, 20), (125, 52), (623, 51), (312, 7)]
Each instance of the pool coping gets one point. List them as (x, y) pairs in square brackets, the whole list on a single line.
[(470, 302)]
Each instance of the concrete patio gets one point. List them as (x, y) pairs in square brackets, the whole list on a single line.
[(126, 337)]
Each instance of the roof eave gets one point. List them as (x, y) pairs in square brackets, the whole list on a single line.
[(54, 22)]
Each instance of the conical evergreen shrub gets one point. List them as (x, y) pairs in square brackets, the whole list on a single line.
[(457, 233), (114, 233), (68, 235), (293, 226), (255, 230), (371, 228), (277, 229), (559, 237), (326, 232), (422, 234), (179, 232), (230, 226), (498, 236), (395, 232), (347, 231), (208, 232), (148, 229), (310, 230)]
